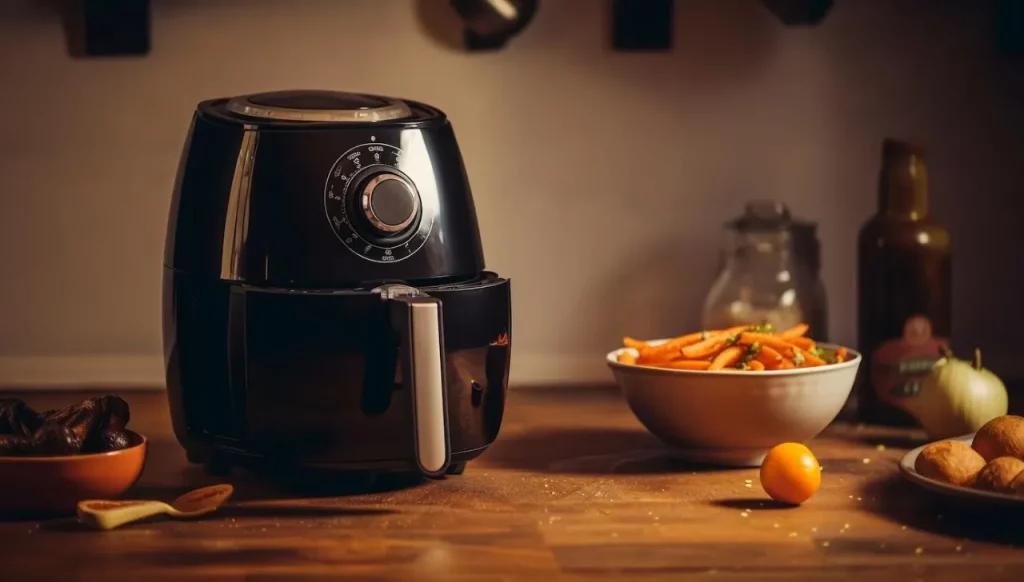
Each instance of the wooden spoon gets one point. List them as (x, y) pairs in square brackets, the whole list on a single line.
[(105, 514)]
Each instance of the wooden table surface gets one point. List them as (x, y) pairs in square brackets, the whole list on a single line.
[(574, 489)]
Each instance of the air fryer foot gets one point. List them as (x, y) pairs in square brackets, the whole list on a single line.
[(217, 465), (195, 457), (456, 468)]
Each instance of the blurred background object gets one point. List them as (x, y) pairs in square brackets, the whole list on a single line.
[(642, 25), (491, 23), (769, 273), (799, 12), (904, 277), (1009, 20), (107, 27)]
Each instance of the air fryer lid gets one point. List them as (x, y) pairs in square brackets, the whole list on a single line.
[(319, 106)]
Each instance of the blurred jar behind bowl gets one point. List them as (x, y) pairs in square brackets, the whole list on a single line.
[(770, 273)]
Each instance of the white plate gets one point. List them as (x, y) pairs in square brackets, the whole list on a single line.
[(965, 493)]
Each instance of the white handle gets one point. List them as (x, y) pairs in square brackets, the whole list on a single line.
[(417, 320)]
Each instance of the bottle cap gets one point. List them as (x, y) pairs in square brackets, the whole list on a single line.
[(895, 150)]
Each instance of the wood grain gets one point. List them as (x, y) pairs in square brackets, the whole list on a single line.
[(574, 489)]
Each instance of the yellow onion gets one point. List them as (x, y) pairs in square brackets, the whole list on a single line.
[(957, 397)]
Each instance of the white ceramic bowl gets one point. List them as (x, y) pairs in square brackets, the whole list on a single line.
[(733, 417)]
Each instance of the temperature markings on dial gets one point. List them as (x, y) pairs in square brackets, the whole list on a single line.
[(342, 196), (376, 150)]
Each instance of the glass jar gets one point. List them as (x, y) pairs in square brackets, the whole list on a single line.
[(763, 278)]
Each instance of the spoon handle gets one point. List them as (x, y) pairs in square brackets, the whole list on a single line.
[(111, 514)]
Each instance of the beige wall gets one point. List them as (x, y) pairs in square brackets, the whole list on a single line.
[(600, 178)]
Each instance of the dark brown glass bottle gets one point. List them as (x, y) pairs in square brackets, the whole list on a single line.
[(904, 289)]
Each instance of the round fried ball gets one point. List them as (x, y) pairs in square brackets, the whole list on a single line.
[(1002, 436), (952, 462), (998, 474), (1017, 487)]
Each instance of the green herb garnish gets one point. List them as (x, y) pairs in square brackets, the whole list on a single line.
[(752, 351), (829, 356), (798, 356)]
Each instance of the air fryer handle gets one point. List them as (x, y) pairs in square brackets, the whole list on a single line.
[(417, 321)]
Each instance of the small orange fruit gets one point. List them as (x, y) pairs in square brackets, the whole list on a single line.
[(790, 473)]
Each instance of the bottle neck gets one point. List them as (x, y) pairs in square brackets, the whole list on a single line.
[(903, 186)]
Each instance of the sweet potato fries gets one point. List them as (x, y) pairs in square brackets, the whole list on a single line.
[(744, 347)]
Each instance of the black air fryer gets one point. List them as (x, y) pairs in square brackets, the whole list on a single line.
[(325, 297)]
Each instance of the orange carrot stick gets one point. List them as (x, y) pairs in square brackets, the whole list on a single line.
[(726, 357), (804, 343), (633, 343), (704, 349), (841, 352), (670, 349), (755, 365), (795, 331), (769, 357), (684, 365), (626, 358), (780, 345), (712, 344)]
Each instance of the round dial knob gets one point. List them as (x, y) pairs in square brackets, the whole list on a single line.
[(390, 203)]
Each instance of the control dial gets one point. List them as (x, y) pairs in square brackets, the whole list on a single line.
[(373, 207), (389, 203)]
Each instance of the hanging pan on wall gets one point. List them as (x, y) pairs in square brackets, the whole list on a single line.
[(490, 24)]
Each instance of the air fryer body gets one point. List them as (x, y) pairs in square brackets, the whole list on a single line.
[(278, 343)]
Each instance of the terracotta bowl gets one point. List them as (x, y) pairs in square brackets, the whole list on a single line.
[(52, 486), (733, 417)]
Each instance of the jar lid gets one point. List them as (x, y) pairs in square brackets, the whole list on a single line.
[(770, 217), (762, 216)]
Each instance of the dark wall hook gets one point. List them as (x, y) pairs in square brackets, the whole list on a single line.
[(107, 27), (799, 12), (642, 25)]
